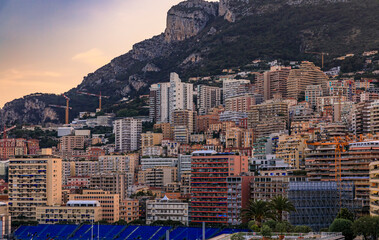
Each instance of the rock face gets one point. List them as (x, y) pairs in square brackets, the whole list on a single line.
[(232, 10), (218, 44), (188, 18), (29, 109), (227, 9)]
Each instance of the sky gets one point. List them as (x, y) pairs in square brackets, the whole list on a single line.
[(50, 45)]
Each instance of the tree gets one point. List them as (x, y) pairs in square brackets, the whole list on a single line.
[(121, 222), (281, 204), (367, 226), (283, 227), (346, 214), (266, 231), (343, 225), (257, 210), (237, 236), (303, 229)]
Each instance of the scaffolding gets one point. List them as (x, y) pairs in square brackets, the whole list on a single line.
[(316, 203)]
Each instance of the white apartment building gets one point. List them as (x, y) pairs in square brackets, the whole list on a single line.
[(128, 134), (167, 97), (181, 95), (234, 87), (149, 162), (208, 97), (114, 163), (166, 209)]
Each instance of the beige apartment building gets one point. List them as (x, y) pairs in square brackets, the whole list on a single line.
[(269, 117), (110, 203), (69, 143), (161, 176), (185, 118), (34, 182), (374, 188), (240, 103), (75, 212), (129, 209), (273, 81), (112, 182), (123, 163), (291, 150), (307, 74), (151, 139)]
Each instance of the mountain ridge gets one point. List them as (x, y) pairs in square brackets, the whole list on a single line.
[(203, 37)]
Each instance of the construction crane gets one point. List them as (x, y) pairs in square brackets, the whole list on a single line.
[(340, 144), (4, 132), (322, 54), (95, 95), (67, 107)]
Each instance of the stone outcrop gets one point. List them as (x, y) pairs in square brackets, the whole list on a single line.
[(188, 18)]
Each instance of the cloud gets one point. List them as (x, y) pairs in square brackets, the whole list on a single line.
[(24, 75), (93, 57)]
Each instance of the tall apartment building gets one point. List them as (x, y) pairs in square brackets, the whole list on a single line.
[(312, 92), (127, 134), (168, 97), (238, 188), (181, 95), (273, 81), (234, 87), (110, 203), (291, 150), (241, 103), (269, 117), (306, 74), (155, 103), (320, 166), (365, 117), (112, 182), (184, 165), (209, 173), (33, 182), (185, 118), (374, 188), (207, 98), (69, 143), (159, 102)]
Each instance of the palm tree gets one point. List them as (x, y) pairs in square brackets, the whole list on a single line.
[(280, 204), (257, 210)]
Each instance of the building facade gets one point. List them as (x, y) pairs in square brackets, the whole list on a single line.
[(39, 180), (127, 134)]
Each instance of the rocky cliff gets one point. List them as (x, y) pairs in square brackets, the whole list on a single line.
[(202, 38), (188, 18)]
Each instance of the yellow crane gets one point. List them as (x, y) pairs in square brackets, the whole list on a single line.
[(322, 54)]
